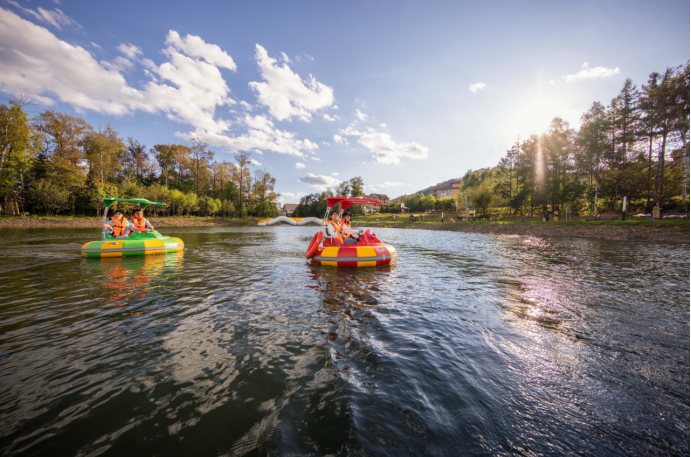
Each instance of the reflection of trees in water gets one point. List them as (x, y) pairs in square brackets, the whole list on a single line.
[(127, 280)]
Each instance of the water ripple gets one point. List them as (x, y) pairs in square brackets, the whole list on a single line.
[(469, 345)]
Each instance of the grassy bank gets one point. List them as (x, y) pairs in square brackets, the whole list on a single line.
[(81, 221)]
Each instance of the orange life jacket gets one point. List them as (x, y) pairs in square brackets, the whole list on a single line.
[(346, 225), (118, 229), (337, 229), (139, 224)]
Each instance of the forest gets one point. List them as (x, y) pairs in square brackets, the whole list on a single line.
[(57, 163), (636, 147)]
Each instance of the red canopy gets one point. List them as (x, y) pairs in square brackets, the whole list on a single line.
[(346, 202)]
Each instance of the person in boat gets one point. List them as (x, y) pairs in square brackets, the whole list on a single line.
[(350, 236), (120, 226), (333, 227), (138, 221)]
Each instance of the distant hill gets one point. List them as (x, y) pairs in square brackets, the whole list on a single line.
[(428, 190)]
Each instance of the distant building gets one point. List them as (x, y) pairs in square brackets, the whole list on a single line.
[(376, 208), (448, 190), (382, 197), (289, 208)]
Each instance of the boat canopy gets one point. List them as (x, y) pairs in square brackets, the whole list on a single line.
[(347, 202), (143, 202)]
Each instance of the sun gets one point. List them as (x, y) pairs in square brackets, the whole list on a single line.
[(528, 116)]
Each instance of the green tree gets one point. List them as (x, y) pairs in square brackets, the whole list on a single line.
[(49, 196), (135, 158), (17, 147), (200, 158), (104, 151), (241, 176), (356, 187), (592, 140)]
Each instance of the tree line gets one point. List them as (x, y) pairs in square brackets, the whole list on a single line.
[(637, 146), (58, 163)]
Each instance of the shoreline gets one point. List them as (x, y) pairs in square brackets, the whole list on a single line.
[(677, 233), (661, 232), (95, 222)]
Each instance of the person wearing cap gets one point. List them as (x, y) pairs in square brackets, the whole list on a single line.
[(138, 221), (120, 228)]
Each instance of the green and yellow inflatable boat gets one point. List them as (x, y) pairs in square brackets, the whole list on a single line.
[(139, 243)]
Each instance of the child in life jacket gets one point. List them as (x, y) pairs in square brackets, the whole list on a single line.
[(138, 221), (120, 227), (350, 236), (333, 227)]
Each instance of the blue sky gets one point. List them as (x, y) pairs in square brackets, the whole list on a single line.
[(404, 94)]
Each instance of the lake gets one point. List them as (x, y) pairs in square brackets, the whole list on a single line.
[(468, 345)]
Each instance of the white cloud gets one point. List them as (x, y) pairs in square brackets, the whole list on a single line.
[(350, 131), (293, 196), (255, 163), (360, 115), (316, 158), (285, 57), (309, 56), (310, 146), (96, 46), (382, 125), (300, 166), (185, 89), (389, 184), (335, 107), (384, 148), (56, 18), (285, 93), (324, 142), (329, 118), (246, 105), (319, 182), (387, 151), (129, 50), (261, 134), (334, 174), (476, 87), (340, 139), (193, 46), (591, 73)]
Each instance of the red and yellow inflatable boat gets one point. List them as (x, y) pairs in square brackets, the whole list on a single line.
[(368, 252)]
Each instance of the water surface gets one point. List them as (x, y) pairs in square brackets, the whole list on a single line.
[(469, 345)]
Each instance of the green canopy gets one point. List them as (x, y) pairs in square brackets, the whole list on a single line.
[(143, 202)]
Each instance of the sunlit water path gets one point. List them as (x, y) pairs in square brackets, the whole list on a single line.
[(470, 345)]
